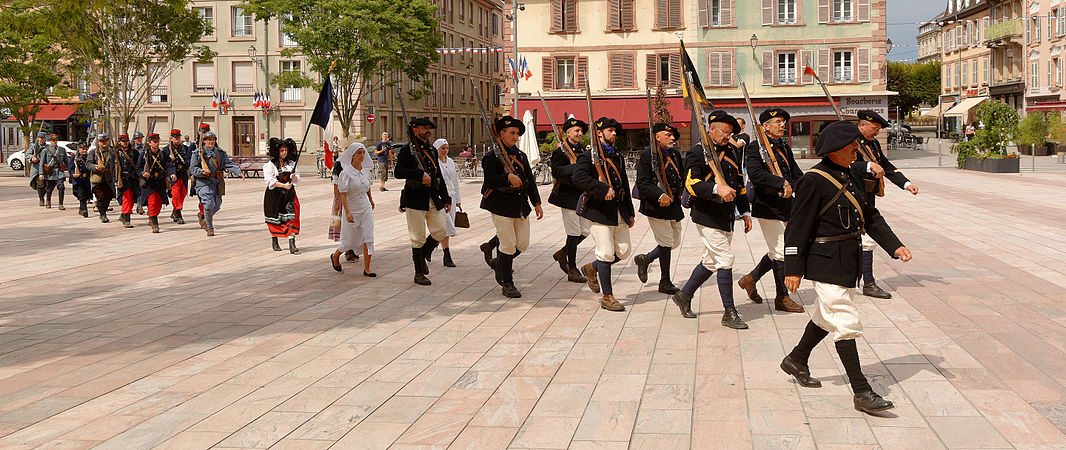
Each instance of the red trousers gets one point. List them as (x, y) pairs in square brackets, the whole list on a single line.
[(178, 191), (155, 203), (127, 201), (290, 228)]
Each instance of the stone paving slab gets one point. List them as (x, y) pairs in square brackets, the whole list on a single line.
[(118, 338)]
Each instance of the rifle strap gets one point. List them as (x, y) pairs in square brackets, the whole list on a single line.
[(662, 169), (842, 190)]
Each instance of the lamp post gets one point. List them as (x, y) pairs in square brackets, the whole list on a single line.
[(253, 55), (513, 17), (754, 43)]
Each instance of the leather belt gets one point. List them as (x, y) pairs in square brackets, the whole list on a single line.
[(842, 237)]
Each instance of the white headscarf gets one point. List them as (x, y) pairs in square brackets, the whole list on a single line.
[(440, 143), (349, 173)]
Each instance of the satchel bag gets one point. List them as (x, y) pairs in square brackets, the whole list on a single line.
[(96, 178), (221, 187), (46, 169), (462, 220)]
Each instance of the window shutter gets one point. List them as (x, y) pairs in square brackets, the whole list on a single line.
[(805, 56), (571, 16), (767, 12), (204, 73), (653, 70), (614, 17), (628, 21), (714, 69), (823, 11), (729, 60), (662, 19), (582, 63), (862, 13), (628, 70), (768, 64), (615, 68), (547, 70), (704, 11), (863, 58), (675, 70), (557, 15), (727, 13), (824, 64)]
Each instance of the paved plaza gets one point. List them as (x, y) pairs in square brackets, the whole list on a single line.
[(122, 339)]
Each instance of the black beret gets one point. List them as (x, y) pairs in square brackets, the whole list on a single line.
[(836, 136), (423, 121), (773, 113), (872, 116), (508, 122), (724, 117), (573, 122), (666, 127), (604, 123)]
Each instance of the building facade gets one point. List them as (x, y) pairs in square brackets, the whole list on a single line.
[(929, 40), (625, 46), (1004, 38), (1045, 37), (965, 61)]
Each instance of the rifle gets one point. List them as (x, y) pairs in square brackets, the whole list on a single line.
[(867, 155), (563, 143), (595, 151), (497, 147), (412, 140), (708, 146), (656, 154), (764, 143)]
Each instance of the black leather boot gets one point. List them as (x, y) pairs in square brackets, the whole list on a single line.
[(871, 289), (419, 260), (448, 258), (274, 244), (800, 372), (684, 303), (642, 262), (178, 218), (506, 262), (153, 222), (486, 249), (731, 318), (560, 257), (870, 402), (428, 247), (292, 245), (667, 287), (125, 219)]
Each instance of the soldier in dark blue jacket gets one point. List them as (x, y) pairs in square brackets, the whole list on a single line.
[(714, 204), (155, 168), (823, 244), (510, 197), (565, 194), (772, 203), (424, 199), (608, 205), (78, 172), (659, 186), (128, 183), (179, 155)]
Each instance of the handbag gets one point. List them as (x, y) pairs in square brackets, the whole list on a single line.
[(462, 220)]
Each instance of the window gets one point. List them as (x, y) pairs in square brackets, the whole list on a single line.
[(1036, 29), (159, 88), (1058, 72), (242, 23), (291, 93), (958, 75), (284, 38), (987, 72), (622, 70), (1050, 75), (203, 77), (564, 16), (719, 69), (495, 24), (243, 76), (786, 68), (1061, 21), (620, 16), (83, 82), (716, 13), (842, 11), (564, 73), (843, 67), (786, 12), (668, 14), (947, 76), (974, 73), (665, 70), (207, 14), (962, 78), (1035, 77)]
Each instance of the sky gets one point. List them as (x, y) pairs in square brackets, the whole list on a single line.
[(903, 18)]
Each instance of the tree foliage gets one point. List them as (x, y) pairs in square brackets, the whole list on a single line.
[(1033, 129), (125, 47), (29, 66), (660, 108), (374, 44), (916, 83), (1001, 125)]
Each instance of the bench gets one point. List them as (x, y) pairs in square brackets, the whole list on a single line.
[(252, 166)]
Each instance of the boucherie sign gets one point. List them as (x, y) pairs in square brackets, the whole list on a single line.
[(852, 105)]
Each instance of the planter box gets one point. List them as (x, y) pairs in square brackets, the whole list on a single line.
[(992, 165), (1025, 149), (1044, 150)]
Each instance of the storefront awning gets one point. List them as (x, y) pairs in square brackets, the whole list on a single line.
[(1046, 106), (937, 110), (53, 112), (631, 112), (963, 108)]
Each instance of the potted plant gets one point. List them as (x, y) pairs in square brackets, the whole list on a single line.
[(1056, 133), (987, 151), (1032, 133)]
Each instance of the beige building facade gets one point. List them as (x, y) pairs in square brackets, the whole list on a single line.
[(965, 61), (929, 40)]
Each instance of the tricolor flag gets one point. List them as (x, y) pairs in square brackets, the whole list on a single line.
[(525, 72), (511, 68), (810, 71), (256, 102), (695, 90)]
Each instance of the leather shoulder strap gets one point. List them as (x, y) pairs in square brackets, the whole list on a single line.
[(843, 189)]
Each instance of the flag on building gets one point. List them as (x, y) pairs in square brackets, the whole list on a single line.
[(511, 68), (525, 72)]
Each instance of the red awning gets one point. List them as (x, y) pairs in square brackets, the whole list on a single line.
[(1046, 106), (630, 112), (53, 112), (773, 104)]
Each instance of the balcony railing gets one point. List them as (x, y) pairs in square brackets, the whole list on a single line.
[(1003, 30), (292, 95)]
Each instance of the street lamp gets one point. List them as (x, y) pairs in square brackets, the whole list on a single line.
[(252, 55), (754, 43), (513, 17)]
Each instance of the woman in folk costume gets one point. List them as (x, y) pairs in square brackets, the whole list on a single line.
[(447, 170), (281, 207), (357, 225)]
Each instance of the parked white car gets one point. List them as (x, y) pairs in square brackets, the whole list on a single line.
[(17, 160)]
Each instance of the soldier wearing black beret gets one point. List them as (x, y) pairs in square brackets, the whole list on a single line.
[(424, 199), (771, 202), (565, 194), (870, 124), (660, 175), (608, 205), (823, 244), (510, 197), (714, 202)]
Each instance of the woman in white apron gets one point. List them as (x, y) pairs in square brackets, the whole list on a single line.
[(447, 170), (357, 204)]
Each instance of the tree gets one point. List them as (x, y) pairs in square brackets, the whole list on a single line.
[(660, 109), (29, 68), (127, 47), (1033, 130), (916, 84), (374, 44), (1000, 127)]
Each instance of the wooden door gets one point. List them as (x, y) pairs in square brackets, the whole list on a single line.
[(243, 136)]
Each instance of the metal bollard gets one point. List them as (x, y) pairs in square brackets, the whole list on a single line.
[(1062, 158)]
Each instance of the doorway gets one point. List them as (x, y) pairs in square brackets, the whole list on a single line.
[(243, 136)]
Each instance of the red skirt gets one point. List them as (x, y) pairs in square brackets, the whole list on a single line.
[(286, 228)]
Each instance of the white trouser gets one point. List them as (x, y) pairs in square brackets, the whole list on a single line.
[(575, 225), (513, 233), (835, 311), (868, 243), (774, 233), (667, 232), (611, 241), (717, 253), (418, 221)]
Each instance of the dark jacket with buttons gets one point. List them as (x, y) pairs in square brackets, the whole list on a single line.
[(416, 195), (708, 209), (497, 194), (671, 164), (564, 192), (891, 172), (768, 203), (600, 210)]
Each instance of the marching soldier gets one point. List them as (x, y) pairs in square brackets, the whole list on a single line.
[(662, 207), (208, 167), (424, 199), (102, 165), (138, 141), (53, 171), (714, 202), (823, 244), (155, 167), (771, 205), (129, 188), (508, 197), (79, 179), (608, 206), (564, 195), (178, 154), (33, 164), (870, 124)]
